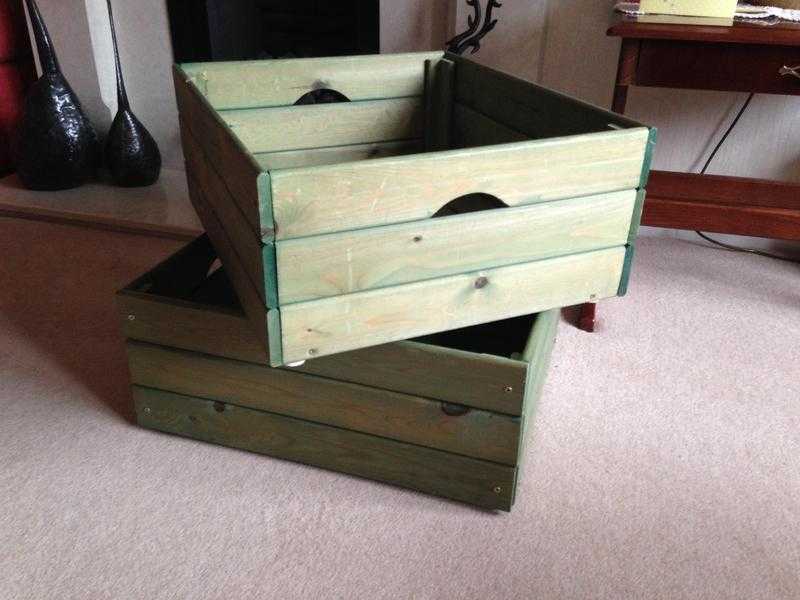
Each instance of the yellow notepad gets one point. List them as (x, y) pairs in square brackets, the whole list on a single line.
[(690, 8)]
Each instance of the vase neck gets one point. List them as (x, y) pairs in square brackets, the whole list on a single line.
[(122, 94), (44, 45)]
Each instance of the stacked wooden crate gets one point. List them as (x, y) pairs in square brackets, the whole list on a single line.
[(332, 249), (444, 415), (444, 202)]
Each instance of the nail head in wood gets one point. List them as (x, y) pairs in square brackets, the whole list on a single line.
[(481, 282)]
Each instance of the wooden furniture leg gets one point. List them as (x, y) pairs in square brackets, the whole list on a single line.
[(588, 317)]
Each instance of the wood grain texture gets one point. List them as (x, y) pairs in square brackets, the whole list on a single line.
[(245, 241), (256, 84), (329, 326), (323, 125), (252, 303), (439, 93), (394, 190), (471, 129), (314, 157), (402, 417), (528, 108), (168, 312), (242, 175), (482, 483), (538, 354), (348, 262)]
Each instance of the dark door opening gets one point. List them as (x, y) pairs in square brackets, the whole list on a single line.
[(213, 30)]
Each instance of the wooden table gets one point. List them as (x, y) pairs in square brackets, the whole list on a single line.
[(746, 57)]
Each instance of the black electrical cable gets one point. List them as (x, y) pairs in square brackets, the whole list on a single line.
[(703, 171)]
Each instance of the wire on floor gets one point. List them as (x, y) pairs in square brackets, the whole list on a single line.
[(703, 171)]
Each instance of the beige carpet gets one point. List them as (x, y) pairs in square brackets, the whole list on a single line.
[(664, 462)]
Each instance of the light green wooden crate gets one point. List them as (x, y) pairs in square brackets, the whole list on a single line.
[(323, 214), (445, 414)]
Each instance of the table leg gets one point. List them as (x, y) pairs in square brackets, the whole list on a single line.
[(588, 317)]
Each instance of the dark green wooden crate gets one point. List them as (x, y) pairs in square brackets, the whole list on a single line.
[(444, 415)]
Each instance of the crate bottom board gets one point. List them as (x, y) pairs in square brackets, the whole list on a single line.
[(481, 483)]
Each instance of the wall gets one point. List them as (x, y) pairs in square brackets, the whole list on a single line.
[(414, 25), (81, 34)]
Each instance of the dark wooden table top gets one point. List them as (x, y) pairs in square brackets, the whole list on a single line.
[(742, 32)]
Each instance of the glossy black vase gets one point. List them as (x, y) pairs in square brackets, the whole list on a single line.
[(131, 153), (57, 146)]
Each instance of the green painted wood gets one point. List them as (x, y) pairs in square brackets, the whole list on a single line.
[(275, 339), (439, 90), (356, 261), (169, 309), (241, 174), (323, 125), (270, 263), (252, 302), (538, 354), (477, 482), (386, 191), (648, 157), (471, 129), (420, 421), (526, 107), (266, 83), (315, 157), (636, 221), (624, 281), (333, 325), (245, 240)]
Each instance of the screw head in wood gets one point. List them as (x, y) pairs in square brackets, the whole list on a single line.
[(417, 238), (481, 282), (148, 410), (498, 490), (312, 352), (508, 389), (593, 297), (131, 317)]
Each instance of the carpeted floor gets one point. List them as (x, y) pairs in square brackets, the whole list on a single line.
[(664, 461)]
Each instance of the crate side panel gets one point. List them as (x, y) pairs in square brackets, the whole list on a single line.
[(266, 83), (212, 189), (402, 417), (531, 109), (238, 169), (333, 325), (323, 125), (355, 261), (253, 304), (394, 190), (482, 483)]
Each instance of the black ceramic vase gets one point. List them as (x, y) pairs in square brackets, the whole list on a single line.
[(57, 146), (131, 153)]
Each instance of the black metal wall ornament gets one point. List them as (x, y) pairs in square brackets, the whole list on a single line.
[(131, 153), (56, 146), (478, 27)]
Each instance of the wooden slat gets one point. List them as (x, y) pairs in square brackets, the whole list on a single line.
[(333, 155), (526, 107), (461, 478), (471, 129), (332, 325), (245, 241), (253, 304), (249, 187), (189, 326), (393, 190), (255, 84), (348, 262), (401, 417), (538, 353), (321, 125), (439, 90)]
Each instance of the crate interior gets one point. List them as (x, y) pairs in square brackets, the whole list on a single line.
[(447, 105)]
